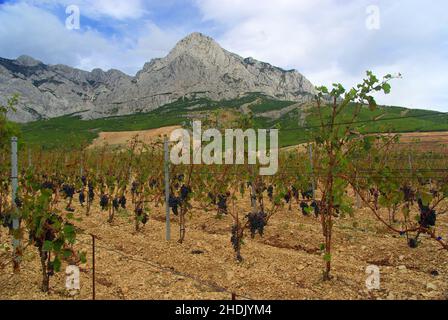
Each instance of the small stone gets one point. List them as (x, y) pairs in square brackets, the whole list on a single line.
[(230, 275), (402, 268), (431, 286), (391, 296), (363, 248), (430, 294), (434, 273), (401, 258)]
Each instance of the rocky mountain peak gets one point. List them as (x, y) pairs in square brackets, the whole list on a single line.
[(195, 39), (197, 67), (196, 45), (27, 61)]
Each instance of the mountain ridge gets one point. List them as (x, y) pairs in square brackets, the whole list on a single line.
[(197, 67)]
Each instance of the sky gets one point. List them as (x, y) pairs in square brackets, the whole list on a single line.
[(328, 41)]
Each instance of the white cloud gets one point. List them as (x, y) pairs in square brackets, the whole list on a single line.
[(43, 36), (117, 9), (423, 86), (97, 9), (327, 40)]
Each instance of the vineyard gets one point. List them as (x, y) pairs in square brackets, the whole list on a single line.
[(139, 227)]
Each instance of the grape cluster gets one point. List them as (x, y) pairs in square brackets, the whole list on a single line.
[(173, 203), (48, 185), (6, 220), (408, 193), (122, 201), (287, 197), (308, 194), (212, 197), (270, 190), (434, 192), (82, 198), (152, 183), (141, 215), (413, 243), (260, 188), (91, 192), (18, 202), (257, 222), (423, 182), (295, 192), (50, 268), (104, 202), (184, 192), (305, 208), (134, 187), (68, 190), (428, 217), (178, 179), (315, 206), (116, 203), (47, 232), (374, 192), (222, 202)]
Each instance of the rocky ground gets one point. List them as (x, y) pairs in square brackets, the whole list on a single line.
[(284, 264)]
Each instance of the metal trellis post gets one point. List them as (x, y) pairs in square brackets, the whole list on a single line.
[(167, 188), (16, 215)]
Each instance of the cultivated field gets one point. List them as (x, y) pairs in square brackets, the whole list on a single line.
[(284, 264), (133, 260), (122, 138)]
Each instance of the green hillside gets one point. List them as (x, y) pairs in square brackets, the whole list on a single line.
[(295, 126)]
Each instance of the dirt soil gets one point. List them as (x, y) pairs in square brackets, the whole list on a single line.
[(284, 264), (422, 141), (124, 137)]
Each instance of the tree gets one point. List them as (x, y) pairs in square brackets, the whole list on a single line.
[(334, 140), (7, 128)]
